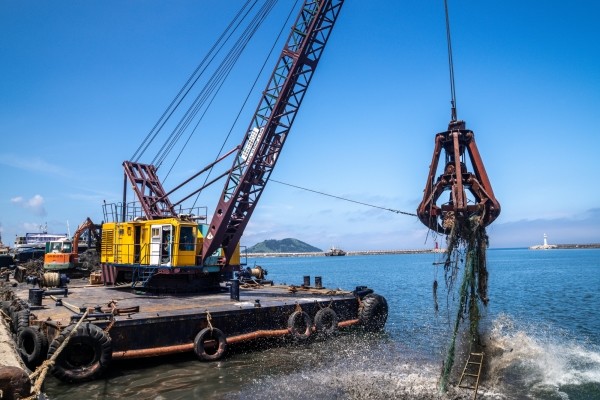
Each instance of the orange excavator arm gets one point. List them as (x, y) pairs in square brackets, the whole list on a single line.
[(87, 224)]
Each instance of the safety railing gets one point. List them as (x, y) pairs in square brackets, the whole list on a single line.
[(113, 212)]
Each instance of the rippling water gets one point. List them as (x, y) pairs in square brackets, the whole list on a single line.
[(542, 327)]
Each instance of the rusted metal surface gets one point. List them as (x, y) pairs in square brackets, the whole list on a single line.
[(456, 179), (350, 322), (271, 124), (144, 325), (152, 352), (149, 190), (257, 335)]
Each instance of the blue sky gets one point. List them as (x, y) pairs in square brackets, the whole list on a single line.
[(82, 83)]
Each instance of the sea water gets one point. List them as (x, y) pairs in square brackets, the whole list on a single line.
[(541, 330)]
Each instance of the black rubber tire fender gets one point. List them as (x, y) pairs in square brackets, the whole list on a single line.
[(32, 345), (12, 314), (373, 312), (204, 344), (300, 325), (326, 321), (21, 320), (87, 355), (6, 307)]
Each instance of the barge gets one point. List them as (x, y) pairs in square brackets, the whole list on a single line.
[(170, 283), (83, 327)]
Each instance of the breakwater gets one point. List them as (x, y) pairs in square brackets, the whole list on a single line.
[(348, 253), (578, 246)]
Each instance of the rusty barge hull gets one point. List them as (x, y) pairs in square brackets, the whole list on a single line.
[(170, 322), (138, 324)]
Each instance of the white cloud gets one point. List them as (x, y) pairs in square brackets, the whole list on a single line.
[(34, 164), (34, 204)]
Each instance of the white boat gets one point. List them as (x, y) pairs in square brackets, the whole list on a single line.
[(38, 240)]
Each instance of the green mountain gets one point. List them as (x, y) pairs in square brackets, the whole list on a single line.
[(282, 246)]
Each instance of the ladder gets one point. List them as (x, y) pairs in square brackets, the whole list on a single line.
[(472, 372), (141, 275)]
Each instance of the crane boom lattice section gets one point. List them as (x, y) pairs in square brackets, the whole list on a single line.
[(149, 190), (270, 124)]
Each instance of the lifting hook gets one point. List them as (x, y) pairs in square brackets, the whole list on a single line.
[(456, 179)]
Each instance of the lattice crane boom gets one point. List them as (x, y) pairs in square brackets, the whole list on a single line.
[(271, 124)]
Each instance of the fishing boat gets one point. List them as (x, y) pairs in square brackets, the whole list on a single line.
[(335, 252)]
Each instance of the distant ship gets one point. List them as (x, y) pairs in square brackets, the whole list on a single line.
[(544, 246), (335, 252), (38, 240)]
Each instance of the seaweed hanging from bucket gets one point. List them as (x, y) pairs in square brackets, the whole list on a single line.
[(467, 237)]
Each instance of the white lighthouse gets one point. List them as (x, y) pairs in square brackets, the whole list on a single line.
[(544, 246)]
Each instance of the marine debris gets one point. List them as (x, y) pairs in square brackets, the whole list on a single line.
[(467, 244)]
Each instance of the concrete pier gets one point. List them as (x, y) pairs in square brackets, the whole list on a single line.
[(14, 378)]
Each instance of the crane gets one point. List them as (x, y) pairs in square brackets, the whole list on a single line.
[(161, 240)]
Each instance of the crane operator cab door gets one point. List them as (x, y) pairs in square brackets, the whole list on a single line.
[(161, 245)]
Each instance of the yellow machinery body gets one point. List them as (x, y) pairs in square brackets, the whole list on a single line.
[(168, 242)]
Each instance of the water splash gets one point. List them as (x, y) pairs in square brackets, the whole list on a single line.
[(541, 362), (354, 367)]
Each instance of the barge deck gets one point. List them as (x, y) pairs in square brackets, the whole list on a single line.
[(119, 322)]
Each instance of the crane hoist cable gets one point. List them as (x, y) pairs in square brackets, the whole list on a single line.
[(345, 199), (450, 63), (217, 46), (211, 89), (258, 75), (215, 82)]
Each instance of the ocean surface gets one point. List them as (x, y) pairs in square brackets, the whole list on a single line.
[(541, 329)]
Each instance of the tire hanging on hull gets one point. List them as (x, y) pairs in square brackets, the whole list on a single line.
[(32, 345), (326, 322), (373, 312), (205, 347), (300, 325), (86, 356)]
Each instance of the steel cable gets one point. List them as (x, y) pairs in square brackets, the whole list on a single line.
[(345, 199), (189, 84), (214, 84)]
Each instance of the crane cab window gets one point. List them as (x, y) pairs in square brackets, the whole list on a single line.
[(186, 238), (156, 232)]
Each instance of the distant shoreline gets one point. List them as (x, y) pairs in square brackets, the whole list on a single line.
[(384, 252), (578, 246), (348, 253)]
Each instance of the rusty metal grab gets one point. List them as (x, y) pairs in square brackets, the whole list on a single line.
[(457, 180)]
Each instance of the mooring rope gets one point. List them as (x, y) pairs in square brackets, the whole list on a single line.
[(208, 320)]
